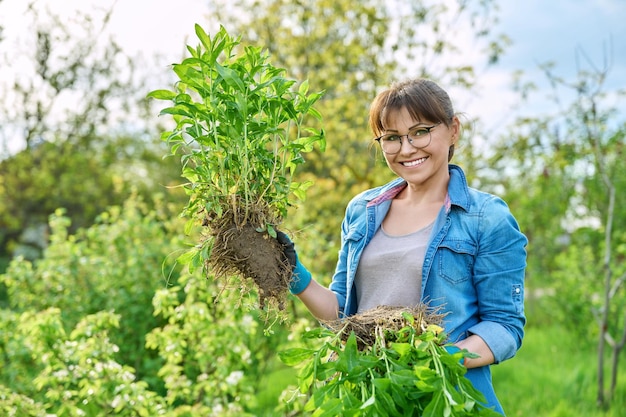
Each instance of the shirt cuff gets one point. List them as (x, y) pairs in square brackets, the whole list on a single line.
[(497, 338)]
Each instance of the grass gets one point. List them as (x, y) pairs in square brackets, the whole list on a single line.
[(555, 375)]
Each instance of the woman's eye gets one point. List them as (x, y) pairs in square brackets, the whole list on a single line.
[(419, 132)]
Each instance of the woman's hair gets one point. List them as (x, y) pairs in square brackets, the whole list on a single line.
[(423, 99)]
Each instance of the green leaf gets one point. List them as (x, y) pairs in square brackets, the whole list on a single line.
[(187, 257), (203, 37), (384, 400), (162, 94), (425, 373), (330, 408), (304, 88), (177, 110), (403, 349), (403, 377), (437, 407), (306, 377), (382, 384), (325, 371), (230, 76), (318, 333), (348, 358), (295, 356)]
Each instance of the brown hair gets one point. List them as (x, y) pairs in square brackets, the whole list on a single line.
[(424, 100)]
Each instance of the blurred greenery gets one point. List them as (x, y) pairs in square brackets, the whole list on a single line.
[(96, 317), (554, 375)]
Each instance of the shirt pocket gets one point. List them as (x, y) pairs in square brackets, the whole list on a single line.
[(456, 260)]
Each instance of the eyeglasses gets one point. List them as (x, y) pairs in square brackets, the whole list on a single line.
[(419, 137)]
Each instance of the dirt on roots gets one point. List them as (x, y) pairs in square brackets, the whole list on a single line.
[(239, 249), (375, 322)]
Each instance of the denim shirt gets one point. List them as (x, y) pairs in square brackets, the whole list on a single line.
[(473, 268)]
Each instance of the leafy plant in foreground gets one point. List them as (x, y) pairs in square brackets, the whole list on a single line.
[(240, 129), (406, 372)]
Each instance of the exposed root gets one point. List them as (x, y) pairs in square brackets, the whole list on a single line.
[(378, 321), (239, 249)]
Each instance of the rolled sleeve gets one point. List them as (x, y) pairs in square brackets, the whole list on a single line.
[(500, 341), (499, 279)]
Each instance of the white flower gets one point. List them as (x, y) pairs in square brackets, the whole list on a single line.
[(234, 377)]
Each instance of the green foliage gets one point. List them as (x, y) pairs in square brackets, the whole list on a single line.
[(82, 180), (240, 129), (215, 347), (577, 274), (554, 375), (17, 367), (74, 339), (548, 168), (115, 265), (13, 404), (406, 372), (77, 373), (34, 183)]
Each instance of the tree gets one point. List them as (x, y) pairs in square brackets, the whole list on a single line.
[(562, 171), (72, 81), (65, 102), (601, 198)]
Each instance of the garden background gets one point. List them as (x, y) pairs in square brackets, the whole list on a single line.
[(98, 318)]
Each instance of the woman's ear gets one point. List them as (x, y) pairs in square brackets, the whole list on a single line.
[(455, 128)]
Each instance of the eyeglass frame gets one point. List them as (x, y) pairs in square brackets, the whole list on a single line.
[(427, 128)]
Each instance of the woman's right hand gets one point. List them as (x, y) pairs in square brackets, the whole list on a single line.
[(320, 301), (301, 276)]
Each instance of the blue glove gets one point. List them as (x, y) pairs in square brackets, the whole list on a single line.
[(301, 276)]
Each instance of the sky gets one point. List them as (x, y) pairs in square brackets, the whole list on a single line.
[(561, 31), (574, 34)]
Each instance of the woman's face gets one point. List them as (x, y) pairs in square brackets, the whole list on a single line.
[(423, 167)]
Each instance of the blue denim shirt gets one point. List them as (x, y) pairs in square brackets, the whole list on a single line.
[(473, 268)]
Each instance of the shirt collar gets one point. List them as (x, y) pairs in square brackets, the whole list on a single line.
[(457, 187)]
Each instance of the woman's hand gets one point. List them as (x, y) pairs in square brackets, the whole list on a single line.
[(477, 345), (320, 301)]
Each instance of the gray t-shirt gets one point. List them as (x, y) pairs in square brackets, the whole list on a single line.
[(390, 270)]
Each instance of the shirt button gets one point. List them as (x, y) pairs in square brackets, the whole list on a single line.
[(517, 291)]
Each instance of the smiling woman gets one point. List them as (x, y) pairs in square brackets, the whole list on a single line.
[(428, 238)]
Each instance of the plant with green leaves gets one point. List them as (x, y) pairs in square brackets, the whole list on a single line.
[(240, 128), (405, 372)]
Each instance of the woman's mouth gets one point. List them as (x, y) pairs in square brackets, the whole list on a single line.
[(414, 163)]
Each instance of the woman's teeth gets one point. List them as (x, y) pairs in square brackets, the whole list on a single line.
[(413, 163)]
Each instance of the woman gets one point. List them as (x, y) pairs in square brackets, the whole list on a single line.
[(428, 237)]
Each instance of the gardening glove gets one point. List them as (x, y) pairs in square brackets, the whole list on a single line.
[(301, 276)]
